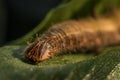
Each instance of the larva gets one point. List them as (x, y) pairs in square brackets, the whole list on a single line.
[(75, 35)]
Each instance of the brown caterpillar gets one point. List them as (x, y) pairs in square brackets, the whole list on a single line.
[(76, 35)]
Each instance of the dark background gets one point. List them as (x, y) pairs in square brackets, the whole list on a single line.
[(18, 17)]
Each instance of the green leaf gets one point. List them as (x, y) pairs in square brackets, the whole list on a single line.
[(13, 66)]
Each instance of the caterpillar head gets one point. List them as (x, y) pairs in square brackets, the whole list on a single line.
[(39, 51)]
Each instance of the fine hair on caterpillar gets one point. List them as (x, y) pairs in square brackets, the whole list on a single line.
[(76, 36)]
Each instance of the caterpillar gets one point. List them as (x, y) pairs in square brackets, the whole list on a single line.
[(91, 34)]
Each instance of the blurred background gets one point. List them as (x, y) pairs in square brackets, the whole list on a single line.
[(18, 17)]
